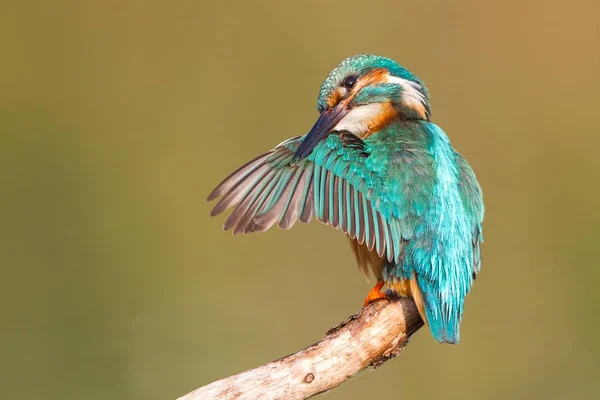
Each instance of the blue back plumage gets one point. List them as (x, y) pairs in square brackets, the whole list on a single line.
[(443, 251)]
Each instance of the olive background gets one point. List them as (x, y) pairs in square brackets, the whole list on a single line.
[(117, 118)]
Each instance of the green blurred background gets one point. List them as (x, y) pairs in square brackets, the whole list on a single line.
[(118, 117)]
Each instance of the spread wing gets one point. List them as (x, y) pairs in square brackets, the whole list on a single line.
[(335, 184)]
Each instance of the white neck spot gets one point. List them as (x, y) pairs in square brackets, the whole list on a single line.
[(412, 96)]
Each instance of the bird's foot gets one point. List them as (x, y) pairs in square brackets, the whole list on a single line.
[(375, 294)]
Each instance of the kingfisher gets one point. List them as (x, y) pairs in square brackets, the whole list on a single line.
[(375, 167)]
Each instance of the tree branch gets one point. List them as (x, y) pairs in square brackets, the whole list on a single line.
[(374, 336)]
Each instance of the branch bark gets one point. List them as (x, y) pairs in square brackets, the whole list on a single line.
[(374, 336)]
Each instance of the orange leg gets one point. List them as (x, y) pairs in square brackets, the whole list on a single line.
[(375, 293)]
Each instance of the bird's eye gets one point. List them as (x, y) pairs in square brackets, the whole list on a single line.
[(350, 81)]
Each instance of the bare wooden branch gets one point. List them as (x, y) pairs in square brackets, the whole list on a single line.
[(369, 339)]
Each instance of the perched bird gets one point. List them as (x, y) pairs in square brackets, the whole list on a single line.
[(377, 168)]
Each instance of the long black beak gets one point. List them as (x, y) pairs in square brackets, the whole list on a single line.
[(326, 122)]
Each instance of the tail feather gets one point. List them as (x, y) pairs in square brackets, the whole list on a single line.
[(443, 320)]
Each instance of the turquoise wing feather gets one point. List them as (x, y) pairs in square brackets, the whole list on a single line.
[(338, 183)]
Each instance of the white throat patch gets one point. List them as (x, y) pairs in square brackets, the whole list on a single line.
[(358, 119)]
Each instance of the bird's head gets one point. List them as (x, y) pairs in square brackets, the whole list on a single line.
[(363, 94)]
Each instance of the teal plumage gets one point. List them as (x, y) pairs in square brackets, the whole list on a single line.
[(398, 190)]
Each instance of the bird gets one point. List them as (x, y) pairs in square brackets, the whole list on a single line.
[(377, 168)]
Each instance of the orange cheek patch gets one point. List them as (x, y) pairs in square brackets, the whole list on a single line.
[(375, 76), (335, 98), (388, 112)]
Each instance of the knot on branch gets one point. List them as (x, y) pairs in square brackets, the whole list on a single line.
[(309, 377)]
